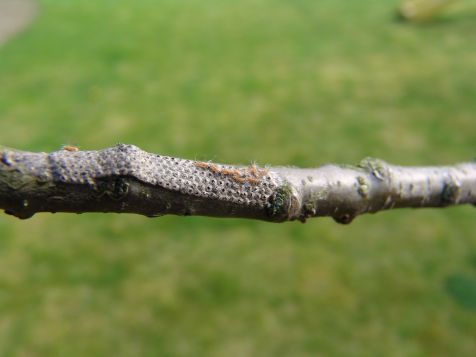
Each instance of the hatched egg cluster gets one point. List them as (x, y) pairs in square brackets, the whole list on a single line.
[(185, 176)]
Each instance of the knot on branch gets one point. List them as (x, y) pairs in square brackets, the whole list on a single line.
[(378, 168), (451, 192)]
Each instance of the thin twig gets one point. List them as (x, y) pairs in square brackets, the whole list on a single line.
[(126, 179)]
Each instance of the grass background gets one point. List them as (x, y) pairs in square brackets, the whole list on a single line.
[(280, 82)]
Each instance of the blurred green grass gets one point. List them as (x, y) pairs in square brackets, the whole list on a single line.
[(280, 82)]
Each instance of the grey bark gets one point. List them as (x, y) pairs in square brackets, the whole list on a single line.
[(125, 179)]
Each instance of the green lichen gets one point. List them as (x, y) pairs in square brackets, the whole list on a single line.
[(377, 167), (279, 203), (363, 188)]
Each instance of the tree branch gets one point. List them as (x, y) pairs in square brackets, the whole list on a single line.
[(126, 179)]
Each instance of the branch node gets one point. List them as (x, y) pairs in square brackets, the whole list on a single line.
[(345, 218), (21, 210), (363, 187), (451, 192), (376, 167)]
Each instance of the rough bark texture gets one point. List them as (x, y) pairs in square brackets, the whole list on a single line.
[(125, 179)]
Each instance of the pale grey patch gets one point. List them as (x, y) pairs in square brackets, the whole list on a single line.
[(184, 176)]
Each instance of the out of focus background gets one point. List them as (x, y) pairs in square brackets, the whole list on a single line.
[(298, 82)]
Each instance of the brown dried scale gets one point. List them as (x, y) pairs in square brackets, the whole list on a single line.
[(250, 185)]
